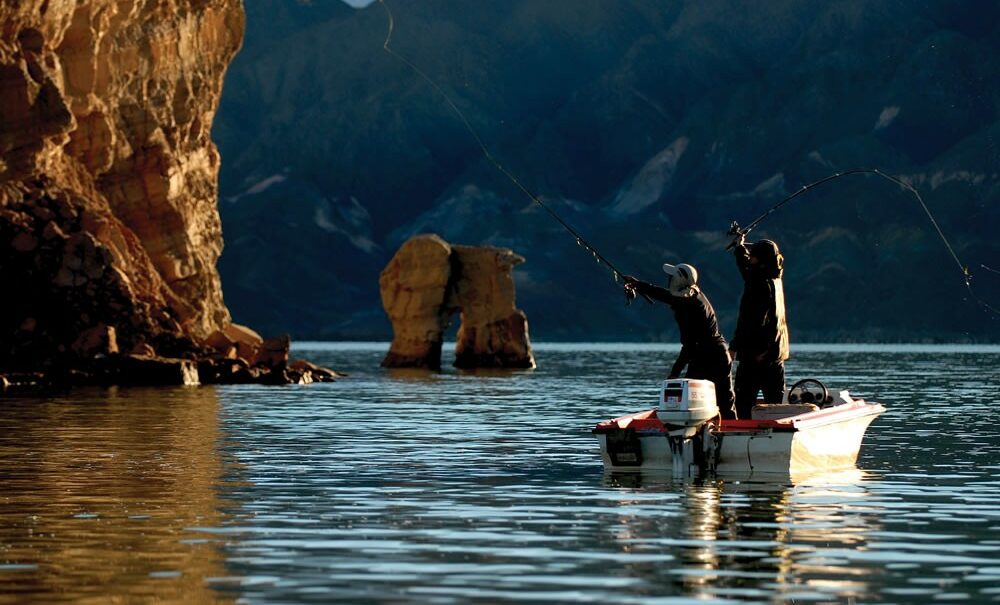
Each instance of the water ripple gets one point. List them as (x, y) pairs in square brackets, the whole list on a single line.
[(487, 487)]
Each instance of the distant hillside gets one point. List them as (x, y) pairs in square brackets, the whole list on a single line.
[(648, 125)]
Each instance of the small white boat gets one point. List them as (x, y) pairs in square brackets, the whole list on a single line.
[(810, 431)]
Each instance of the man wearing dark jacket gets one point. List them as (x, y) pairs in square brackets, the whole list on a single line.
[(703, 348), (760, 343)]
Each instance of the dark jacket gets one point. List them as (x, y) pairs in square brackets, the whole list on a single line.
[(696, 320), (761, 330)]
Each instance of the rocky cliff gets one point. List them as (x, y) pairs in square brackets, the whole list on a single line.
[(109, 226)]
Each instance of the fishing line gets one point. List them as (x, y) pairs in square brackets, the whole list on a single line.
[(618, 275), (735, 229)]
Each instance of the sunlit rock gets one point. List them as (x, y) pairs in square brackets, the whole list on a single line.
[(493, 333), (414, 288), (108, 172), (428, 281), (248, 342)]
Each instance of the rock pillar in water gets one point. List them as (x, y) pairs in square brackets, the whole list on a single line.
[(494, 333), (428, 280), (414, 288)]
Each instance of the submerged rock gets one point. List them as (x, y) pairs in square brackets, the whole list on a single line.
[(429, 280)]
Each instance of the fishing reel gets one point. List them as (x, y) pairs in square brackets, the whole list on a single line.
[(734, 230), (631, 292)]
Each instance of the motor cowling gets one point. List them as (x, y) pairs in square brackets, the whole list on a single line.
[(686, 404)]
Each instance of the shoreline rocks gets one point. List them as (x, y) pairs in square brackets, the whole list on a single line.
[(130, 369)]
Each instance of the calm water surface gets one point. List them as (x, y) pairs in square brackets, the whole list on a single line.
[(488, 487)]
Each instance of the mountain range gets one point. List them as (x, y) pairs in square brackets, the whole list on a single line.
[(645, 125)]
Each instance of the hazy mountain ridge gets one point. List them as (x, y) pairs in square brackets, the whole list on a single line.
[(648, 126)]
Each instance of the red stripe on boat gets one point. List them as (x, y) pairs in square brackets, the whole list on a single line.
[(648, 422)]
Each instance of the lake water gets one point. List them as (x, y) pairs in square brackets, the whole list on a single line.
[(457, 488)]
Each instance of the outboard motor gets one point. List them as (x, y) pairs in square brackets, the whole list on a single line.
[(687, 407)]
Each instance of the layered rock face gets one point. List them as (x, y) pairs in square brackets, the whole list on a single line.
[(429, 280), (108, 175)]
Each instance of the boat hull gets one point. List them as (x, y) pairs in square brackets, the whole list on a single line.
[(829, 439)]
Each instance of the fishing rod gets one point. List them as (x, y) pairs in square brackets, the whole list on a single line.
[(600, 258), (736, 230)]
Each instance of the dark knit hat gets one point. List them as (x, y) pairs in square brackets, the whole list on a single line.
[(768, 256)]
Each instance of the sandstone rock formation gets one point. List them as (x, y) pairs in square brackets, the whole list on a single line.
[(493, 333), (429, 280), (414, 287), (109, 227)]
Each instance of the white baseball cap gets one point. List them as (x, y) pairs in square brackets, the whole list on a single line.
[(683, 278)]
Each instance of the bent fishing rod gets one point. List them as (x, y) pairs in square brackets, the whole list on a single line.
[(600, 258), (736, 230)]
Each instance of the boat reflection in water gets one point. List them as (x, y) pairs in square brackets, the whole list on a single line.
[(743, 539), (100, 492)]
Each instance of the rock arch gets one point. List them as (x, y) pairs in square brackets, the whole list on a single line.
[(429, 280)]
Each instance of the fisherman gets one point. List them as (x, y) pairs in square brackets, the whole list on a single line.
[(703, 348), (760, 342)]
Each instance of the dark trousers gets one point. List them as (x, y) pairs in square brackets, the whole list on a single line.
[(716, 367), (755, 376)]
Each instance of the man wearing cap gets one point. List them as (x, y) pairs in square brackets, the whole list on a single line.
[(760, 343), (703, 348)]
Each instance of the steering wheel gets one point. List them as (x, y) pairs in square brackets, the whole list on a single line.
[(806, 395)]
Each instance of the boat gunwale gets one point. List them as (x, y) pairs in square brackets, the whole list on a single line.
[(646, 423)]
